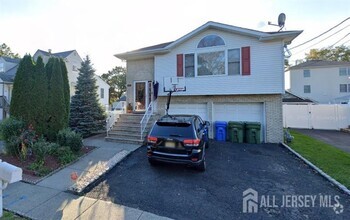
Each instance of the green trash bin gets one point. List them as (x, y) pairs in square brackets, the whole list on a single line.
[(252, 132), (236, 131)]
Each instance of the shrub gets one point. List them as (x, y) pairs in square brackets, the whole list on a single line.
[(65, 155), (11, 127), (61, 136), (40, 149), (69, 138), (13, 146)]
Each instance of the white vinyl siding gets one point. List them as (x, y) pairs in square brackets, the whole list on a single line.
[(266, 62)]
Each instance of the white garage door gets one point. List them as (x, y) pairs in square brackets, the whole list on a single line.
[(192, 109), (252, 112)]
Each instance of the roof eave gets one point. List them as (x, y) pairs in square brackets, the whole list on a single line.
[(286, 37), (142, 54)]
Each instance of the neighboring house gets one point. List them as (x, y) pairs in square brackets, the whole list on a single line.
[(289, 98), (322, 81), (73, 63), (8, 69), (230, 73)]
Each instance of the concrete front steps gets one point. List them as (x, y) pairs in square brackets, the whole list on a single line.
[(128, 129)]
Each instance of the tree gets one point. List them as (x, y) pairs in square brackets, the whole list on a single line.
[(22, 86), (56, 109), (38, 97), (66, 91), (86, 114), (116, 79), (340, 53), (6, 51)]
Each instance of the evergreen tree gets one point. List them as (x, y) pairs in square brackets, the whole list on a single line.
[(86, 113), (55, 105), (66, 91), (20, 102), (38, 97)]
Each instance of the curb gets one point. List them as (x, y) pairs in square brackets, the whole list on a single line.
[(101, 169), (325, 175)]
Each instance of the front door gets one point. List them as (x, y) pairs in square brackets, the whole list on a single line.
[(140, 96)]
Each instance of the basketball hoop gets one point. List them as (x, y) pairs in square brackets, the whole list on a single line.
[(174, 84)]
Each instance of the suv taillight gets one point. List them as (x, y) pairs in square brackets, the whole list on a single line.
[(192, 142), (152, 140)]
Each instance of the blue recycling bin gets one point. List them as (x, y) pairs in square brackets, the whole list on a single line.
[(220, 130)]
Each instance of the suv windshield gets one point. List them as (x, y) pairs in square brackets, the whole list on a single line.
[(173, 129)]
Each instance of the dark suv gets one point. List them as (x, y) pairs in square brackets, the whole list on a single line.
[(179, 139)]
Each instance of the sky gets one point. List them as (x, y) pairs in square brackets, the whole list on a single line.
[(103, 28)]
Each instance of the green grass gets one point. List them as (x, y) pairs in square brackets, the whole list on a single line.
[(10, 216), (331, 160)]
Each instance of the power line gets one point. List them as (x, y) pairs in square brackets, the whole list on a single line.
[(323, 40), (320, 34), (340, 39), (345, 42)]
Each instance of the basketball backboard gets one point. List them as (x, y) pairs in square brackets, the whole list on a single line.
[(174, 84)]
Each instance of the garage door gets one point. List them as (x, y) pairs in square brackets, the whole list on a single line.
[(193, 109), (253, 112)]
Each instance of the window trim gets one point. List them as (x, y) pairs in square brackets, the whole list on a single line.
[(102, 93), (307, 76), (346, 88), (217, 49), (309, 89), (346, 71), (224, 45)]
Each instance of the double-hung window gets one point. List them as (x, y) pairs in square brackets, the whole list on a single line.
[(343, 88), (307, 89), (342, 71), (306, 73), (189, 65), (234, 61)]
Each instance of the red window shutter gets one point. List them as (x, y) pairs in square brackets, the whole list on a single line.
[(245, 61), (180, 65)]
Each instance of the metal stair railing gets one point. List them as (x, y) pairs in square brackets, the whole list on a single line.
[(146, 117)]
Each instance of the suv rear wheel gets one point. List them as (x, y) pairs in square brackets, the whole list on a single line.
[(152, 162), (202, 166)]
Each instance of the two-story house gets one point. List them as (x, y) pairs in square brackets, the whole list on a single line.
[(321, 81), (73, 63), (230, 74), (8, 69)]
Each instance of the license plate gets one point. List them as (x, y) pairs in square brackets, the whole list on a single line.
[(170, 144)]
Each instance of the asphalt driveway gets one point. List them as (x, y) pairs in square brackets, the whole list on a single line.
[(337, 139), (183, 193)]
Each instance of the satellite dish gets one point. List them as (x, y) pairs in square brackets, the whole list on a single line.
[(281, 19)]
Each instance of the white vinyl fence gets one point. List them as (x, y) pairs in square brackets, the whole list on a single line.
[(330, 117)]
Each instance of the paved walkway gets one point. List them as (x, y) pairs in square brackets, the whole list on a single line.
[(337, 139), (49, 199)]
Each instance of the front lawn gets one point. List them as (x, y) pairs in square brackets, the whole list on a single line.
[(331, 160)]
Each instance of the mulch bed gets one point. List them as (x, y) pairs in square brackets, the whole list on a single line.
[(51, 162)]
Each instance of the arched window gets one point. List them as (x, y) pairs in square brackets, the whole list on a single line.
[(211, 41)]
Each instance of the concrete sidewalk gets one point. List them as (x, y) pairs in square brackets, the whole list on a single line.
[(49, 199)]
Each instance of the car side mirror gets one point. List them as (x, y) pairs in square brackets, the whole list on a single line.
[(207, 123)]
